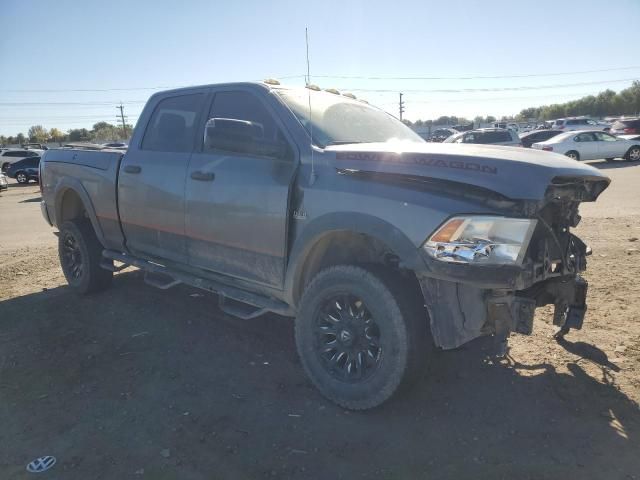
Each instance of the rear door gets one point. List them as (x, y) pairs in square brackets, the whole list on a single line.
[(152, 178), (237, 190)]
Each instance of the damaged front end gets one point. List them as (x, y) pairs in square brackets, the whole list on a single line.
[(487, 276)]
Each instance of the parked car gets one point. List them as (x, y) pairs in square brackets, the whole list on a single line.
[(507, 125), (579, 123), (34, 146), (534, 136), (591, 145), (25, 170), (626, 126), (10, 156), (494, 136), (441, 134), (463, 128), (338, 215), (4, 184)]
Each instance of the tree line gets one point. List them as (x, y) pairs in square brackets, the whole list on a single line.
[(100, 132), (607, 103)]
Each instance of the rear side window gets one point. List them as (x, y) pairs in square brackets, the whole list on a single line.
[(559, 122), (173, 124), (494, 137)]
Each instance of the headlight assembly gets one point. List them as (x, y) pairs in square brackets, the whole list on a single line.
[(484, 240)]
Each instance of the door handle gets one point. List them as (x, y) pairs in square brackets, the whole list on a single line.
[(132, 169), (203, 176)]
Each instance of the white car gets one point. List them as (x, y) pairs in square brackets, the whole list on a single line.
[(578, 123), (591, 145)]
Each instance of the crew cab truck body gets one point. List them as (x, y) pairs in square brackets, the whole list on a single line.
[(318, 206)]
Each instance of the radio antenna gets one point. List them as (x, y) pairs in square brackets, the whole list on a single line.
[(312, 178)]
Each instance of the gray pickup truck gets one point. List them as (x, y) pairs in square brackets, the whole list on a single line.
[(317, 206)]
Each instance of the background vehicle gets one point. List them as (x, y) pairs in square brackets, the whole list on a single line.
[(34, 146), (629, 137), (591, 145), (534, 136), (507, 125), (8, 157), (626, 126), (25, 170), (578, 123), (351, 229), (4, 185), (441, 134), (463, 128), (495, 136)]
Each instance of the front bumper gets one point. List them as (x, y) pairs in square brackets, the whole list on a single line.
[(460, 312)]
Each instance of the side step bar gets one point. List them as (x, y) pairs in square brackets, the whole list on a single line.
[(261, 304)]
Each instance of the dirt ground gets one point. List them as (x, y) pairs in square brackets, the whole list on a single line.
[(141, 383)]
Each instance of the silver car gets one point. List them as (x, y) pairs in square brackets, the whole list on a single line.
[(591, 145), (492, 136)]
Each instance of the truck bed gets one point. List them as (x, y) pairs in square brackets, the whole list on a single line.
[(92, 173)]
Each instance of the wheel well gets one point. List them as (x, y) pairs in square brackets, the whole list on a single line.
[(347, 248), (71, 207)]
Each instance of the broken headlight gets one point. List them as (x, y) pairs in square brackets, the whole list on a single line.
[(481, 240)]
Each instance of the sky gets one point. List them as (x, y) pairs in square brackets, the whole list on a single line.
[(67, 64)]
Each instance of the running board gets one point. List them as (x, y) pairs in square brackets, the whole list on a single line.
[(240, 310), (261, 304)]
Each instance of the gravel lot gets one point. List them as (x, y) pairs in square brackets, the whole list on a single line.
[(141, 383)]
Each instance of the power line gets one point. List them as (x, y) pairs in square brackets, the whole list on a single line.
[(498, 89), (476, 77), (159, 87)]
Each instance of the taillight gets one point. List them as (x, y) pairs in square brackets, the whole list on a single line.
[(560, 127), (547, 148), (629, 130)]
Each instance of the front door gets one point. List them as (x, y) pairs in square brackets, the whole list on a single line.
[(587, 146), (237, 191), (152, 179)]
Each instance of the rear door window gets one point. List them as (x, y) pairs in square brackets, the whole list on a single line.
[(585, 137), (173, 124)]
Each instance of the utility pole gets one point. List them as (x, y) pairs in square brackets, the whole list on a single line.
[(401, 105), (124, 125)]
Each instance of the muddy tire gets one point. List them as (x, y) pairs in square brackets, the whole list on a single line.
[(361, 335), (80, 254)]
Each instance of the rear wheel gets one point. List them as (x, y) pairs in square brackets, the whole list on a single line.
[(80, 255), (361, 335), (633, 155), (573, 154), (21, 177)]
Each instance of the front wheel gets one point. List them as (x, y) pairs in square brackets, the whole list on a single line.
[(80, 254), (633, 155), (361, 335), (573, 154), (21, 177)]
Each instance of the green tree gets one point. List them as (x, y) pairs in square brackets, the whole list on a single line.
[(56, 135), (38, 133), (20, 138), (79, 135)]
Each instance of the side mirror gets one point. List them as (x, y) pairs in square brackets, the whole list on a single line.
[(241, 136)]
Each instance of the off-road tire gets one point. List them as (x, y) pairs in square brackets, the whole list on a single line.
[(398, 308), (88, 250)]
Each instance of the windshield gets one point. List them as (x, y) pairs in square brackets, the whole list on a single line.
[(339, 120)]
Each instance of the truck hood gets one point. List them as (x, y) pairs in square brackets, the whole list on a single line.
[(515, 173)]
